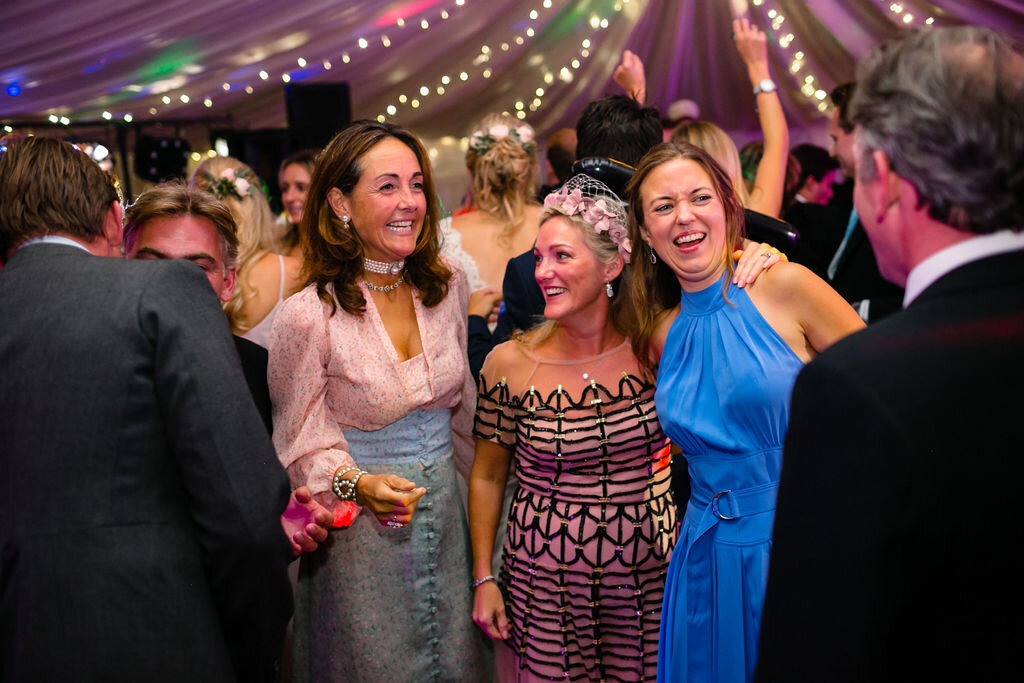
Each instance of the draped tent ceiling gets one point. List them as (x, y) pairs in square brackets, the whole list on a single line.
[(201, 62)]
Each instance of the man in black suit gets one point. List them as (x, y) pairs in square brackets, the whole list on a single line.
[(852, 268), (173, 220), (140, 518), (897, 533)]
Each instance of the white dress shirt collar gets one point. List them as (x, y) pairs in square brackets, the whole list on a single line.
[(949, 259)]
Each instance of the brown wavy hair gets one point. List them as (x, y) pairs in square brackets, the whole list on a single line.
[(653, 288), (717, 143), (334, 252), (504, 177), (48, 187)]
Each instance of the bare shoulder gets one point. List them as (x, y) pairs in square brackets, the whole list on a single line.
[(468, 223), (783, 281), (505, 362)]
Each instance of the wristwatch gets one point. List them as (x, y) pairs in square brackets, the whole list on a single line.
[(767, 85)]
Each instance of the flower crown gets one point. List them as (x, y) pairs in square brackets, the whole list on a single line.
[(482, 140), (230, 183), (596, 205)]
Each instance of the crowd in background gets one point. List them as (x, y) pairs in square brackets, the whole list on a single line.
[(549, 433)]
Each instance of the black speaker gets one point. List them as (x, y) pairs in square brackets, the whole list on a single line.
[(316, 112), (159, 159)]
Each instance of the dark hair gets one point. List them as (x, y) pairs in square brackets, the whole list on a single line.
[(561, 153), (617, 127), (840, 97), (47, 187), (306, 158), (946, 107), (334, 252), (653, 287), (175, 198), (815, 162)]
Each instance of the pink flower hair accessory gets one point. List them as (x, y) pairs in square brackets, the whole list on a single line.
[(596, 204), (482, 140), (230, 183)]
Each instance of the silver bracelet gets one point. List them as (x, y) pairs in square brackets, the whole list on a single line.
[(479, 582), (345, 489)]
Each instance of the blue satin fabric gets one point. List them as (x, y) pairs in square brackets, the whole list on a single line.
[(724, 386)]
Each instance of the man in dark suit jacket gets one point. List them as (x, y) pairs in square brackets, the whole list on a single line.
[(140, 517), (175, 221), (852, 268), (897, 533)]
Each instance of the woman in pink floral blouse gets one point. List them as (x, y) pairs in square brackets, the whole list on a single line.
[(369, 379)]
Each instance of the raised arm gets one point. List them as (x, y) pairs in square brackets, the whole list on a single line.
[(630, 75), (770, 180)]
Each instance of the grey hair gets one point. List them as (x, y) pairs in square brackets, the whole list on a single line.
[(946, 107)]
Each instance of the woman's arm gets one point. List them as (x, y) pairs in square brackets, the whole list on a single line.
[(486, 492), (808, 314), (770, 181)]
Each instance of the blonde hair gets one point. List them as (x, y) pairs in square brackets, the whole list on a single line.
[(720, 146), (255, 228), (504, 174), (607, 253)]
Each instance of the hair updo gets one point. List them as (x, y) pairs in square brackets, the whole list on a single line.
[(503, 167)]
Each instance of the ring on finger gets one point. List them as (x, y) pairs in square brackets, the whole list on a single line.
[(767, 254)]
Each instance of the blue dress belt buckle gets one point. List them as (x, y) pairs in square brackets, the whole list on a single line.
[(749, 501)]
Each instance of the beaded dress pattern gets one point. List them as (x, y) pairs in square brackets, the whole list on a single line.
[(592, 522)]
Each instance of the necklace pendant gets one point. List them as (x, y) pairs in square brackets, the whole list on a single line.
[(391, 268)]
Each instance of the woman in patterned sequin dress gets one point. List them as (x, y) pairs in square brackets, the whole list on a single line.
[(592, 522)]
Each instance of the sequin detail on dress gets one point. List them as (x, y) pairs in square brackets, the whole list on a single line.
[(590, 530)]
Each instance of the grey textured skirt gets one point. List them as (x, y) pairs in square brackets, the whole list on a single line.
[(378, 604)]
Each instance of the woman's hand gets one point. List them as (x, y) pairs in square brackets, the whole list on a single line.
[(389, 497), (630, 75), (489, 611), (754, 258), (485, 303), (752, 45)]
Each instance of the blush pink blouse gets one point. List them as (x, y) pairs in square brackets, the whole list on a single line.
[(330, 373)]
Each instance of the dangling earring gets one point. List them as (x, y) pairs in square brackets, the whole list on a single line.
[(344, 219), (654, 257), (608, 289)]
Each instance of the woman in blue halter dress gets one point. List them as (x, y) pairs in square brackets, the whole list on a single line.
[(727, 358)]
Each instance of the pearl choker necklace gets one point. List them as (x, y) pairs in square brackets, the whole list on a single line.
[(391, 268)]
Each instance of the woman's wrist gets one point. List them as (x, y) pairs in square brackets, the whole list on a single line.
[(345, 487), (483, 579)]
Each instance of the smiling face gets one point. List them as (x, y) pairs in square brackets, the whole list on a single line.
[(569, 273), (684, 222), (294, 183), (387, 206), (189, 237)]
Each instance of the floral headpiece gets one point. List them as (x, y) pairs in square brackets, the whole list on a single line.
[(482, 140), (597, 205), (230, 183)]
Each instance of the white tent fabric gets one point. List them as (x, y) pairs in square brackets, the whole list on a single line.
[(225, 62)]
